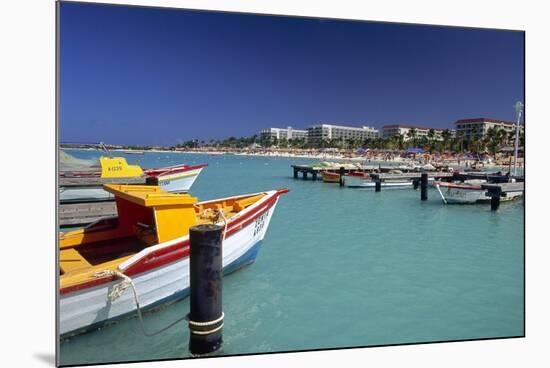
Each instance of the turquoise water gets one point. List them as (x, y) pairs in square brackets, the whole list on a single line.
[(341, 267)]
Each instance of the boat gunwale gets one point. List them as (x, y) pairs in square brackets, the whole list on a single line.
[(144, 260), (458, 186), (171, 170)]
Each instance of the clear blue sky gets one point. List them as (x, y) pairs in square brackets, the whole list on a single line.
[(133, 75)]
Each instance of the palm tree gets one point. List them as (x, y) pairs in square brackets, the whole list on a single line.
[(459, 138), (400, 139), (412, 135), (431, 137), (446, 135)]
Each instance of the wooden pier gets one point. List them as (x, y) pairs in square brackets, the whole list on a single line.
[(314, 171), (410, 176), (498, 190), (74, 214), (97, 182)]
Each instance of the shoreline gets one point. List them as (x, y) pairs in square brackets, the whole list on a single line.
[(372, 157)]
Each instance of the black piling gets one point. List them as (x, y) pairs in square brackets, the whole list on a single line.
[(424, 186), (304, 175), (206, 315), (314, 175), (342, 172), (295, 173), (377, 185), (415, 183), (151, 180), (495, 198)]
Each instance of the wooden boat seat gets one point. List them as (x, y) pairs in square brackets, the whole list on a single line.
[(70, 259), (245, 202)]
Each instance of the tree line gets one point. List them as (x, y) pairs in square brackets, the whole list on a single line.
[(492, 141)]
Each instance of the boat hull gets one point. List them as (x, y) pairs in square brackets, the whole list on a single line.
[(461, 194), (329, 177), (353, 181), (81, 310), (173, 180), (179, 182)]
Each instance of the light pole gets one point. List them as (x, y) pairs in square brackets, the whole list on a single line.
[(519, 108)]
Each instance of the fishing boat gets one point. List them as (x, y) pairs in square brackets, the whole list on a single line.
[(363, 180), (469, 191), (330, 177), (178, 178), (148, 243)]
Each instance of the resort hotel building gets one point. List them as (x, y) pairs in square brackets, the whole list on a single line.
[(282, 133), (333, 132), (389, 131), (479, 126)]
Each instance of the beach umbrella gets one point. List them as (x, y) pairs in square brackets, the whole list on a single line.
[(414, 150)]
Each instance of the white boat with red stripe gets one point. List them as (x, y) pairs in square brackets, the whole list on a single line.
[(159, 268)]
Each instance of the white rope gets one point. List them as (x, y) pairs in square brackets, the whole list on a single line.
[(207, 332), (206, 323), (440, 193), (127, 282), (118, 290), (220, 212)]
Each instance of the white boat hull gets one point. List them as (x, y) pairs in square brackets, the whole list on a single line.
[(173, 183), (366, 182), (468, 196), (90, 308), (179, 182)]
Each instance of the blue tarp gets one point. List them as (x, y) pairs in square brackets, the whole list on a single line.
[(415, 150), (361, 150)]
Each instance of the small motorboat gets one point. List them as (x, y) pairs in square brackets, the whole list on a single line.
[(469, 191), (330, 177), (148, 242), (88, 176), (363, 180)]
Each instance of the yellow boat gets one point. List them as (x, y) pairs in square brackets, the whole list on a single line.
[(330, 177), (149, 243)]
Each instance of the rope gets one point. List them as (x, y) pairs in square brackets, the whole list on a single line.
[(207, 323), (127, 282), (118, 290), (207, 332)]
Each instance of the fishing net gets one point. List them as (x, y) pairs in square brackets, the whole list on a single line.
[(71, 163)]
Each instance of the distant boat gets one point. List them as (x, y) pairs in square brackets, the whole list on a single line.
[(144, 244), (363, 180), (330, 177), (469, 191), (178, 178), (134, 152)]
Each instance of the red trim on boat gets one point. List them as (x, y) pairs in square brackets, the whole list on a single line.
[(458, 186), (177, 251), (172, 170), (358, 174)]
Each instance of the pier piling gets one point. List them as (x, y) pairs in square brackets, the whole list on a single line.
[(495, 198), (415, 184), (342, 172), (304, 175), (295, 173), (424, 186), (377, 185), (206, 315), (152, 180)]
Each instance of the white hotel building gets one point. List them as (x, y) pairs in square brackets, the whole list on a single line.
[(480, 126), (283, 133), (332, 132), (389, 131)]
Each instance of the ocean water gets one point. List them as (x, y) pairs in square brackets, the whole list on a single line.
[(341, 267)]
